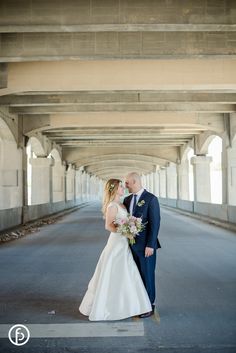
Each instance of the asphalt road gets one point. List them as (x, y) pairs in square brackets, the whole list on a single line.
[(43, 277)]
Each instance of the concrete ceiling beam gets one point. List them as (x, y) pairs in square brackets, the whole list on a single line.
[(97, 136), (120, 143), (116, 75), (3, 75), (82, 156), (112, 13), (119, 97), (124, 164), (126, 132), (73, 157), (190, 107), (122, 171), (17, 47), (153, 27)]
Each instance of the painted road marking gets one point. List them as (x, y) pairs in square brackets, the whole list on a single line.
[(101, 329)]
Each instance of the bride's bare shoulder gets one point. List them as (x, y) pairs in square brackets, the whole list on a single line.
[(112, 207), (112, 204)]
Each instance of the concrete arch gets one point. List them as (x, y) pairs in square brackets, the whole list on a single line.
[(185, 151), (36, 146), (5, 132), (115, 172), (56, 155), (209, 140), (121, 157), (206, 139), (70, 166), (120, 163)]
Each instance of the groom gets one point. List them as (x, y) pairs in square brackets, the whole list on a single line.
[(142, 203)]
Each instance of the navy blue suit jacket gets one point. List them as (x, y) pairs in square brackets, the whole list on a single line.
[(149, 211)]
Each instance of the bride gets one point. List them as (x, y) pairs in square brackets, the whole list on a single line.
[(116, 290)]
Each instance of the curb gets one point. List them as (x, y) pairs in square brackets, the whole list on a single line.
[(34, 225)]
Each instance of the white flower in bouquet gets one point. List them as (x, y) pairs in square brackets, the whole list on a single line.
[(130, 227)]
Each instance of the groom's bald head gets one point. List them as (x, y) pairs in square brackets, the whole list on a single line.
[(133, 182)]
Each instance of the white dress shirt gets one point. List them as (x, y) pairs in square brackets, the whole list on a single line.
[(139, 193)]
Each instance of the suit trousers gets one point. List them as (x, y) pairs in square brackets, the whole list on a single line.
[(146, 266)]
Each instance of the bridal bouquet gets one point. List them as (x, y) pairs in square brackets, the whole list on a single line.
[(130, 227)]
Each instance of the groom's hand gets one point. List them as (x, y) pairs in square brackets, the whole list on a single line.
[(149, 251)]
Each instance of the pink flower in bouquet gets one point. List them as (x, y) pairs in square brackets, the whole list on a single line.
[(133, 229), (130, 227)]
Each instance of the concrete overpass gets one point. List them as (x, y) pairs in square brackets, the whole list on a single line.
[(95, 89)]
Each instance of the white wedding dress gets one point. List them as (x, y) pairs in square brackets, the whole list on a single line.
[(116, 290)]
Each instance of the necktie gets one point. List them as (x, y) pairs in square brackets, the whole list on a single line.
[(134, 204)]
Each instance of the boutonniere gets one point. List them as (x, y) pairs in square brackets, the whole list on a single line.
[(141, 203)]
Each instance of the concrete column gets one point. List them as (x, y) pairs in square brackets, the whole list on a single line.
[(11, 191), (202, 181), (76, 184), (92, 191), (101, 188), (163, 182), (51, 180), (183, 180), (98, 192), (231, 157), (40, 183), (24, 183), (78, 189), (58, 182), (96, 188), (150, 178), (70, 183), (156, 183), (147, 182), (143, 181), (94, 196), (171, 175), (225, 172), (88, 186), (84, 186)]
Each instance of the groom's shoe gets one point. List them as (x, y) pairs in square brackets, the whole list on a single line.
[(149, 313)]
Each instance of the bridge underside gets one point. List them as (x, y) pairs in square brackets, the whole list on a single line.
[(108, 87)]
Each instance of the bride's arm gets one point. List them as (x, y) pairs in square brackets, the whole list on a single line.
[(110, 217)]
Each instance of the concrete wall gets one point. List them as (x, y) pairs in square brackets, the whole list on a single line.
[(16, 216), (225, 213), (37, 211), (10, 217), (10, 171)]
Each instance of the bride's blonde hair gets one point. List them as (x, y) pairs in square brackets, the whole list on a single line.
[(110, 191)]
